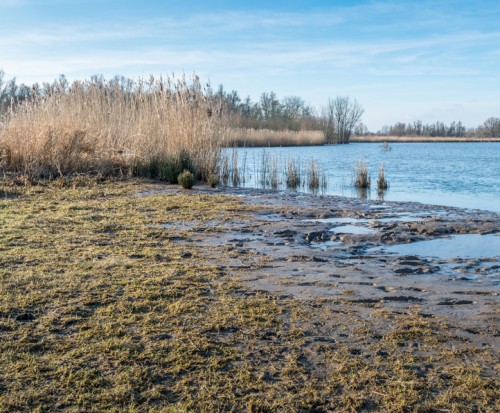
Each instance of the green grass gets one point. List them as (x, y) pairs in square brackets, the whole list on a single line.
[(103, 310)]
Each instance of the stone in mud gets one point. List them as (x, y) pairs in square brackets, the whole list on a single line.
[(317, 236), (409, 271), (454, 301), (286, 233)]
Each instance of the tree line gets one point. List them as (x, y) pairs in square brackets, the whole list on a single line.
[(489, 129)]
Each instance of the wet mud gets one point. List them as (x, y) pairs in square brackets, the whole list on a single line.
[(344, 251)]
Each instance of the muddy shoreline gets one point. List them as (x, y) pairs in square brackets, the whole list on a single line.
[(333, 248)]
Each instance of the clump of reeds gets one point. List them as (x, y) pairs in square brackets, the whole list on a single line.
[(313, 176), (212, 180), (292, 173), (362, 177), (274, 176), (235, 175), (148, 128), (382, 183), (265, 168)]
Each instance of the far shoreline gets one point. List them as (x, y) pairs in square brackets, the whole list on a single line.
[(417, 139)]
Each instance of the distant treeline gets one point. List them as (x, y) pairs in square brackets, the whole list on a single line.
[(338, 119), (489, 129)]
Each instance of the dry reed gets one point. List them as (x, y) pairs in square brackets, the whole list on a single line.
[(382, 183), (362, 177), (148, 128), (313, 176), (292, 173), (266, 137)]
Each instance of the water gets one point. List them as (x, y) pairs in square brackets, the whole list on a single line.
[(457, 246), (352, 229), (395, 217), (454, 174)]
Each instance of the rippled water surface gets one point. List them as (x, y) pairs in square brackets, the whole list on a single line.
[(455, 174)]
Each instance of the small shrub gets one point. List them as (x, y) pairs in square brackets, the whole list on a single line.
[(186, 179)]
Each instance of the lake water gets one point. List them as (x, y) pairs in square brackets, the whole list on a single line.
[(464, 175)]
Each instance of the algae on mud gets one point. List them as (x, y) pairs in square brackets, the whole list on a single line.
[(102, 308)]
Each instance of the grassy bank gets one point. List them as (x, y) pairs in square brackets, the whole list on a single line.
[(106, 306), (154, 128), (382, 139)]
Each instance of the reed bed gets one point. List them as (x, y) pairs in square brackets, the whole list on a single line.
[(266, 137), (155, 128), (275, 172)]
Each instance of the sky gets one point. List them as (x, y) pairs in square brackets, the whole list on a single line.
[(401, 60)]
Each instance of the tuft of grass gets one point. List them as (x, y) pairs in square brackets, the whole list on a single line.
[(362, 178), (186, 179)]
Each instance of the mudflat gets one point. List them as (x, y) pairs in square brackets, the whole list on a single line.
[(139, 295)]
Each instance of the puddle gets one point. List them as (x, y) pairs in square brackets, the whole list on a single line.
[(352, 229), (457, 246), (397, 217), (323, 246)]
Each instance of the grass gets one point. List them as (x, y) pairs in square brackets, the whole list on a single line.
[(148, 128), (102, 309), (267, 138)]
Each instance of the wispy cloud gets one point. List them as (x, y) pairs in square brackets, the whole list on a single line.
[(375, 50)]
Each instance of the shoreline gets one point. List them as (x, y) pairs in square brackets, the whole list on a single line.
[(418, 139)]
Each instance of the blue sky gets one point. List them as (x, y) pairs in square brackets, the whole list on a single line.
[(402, 60)]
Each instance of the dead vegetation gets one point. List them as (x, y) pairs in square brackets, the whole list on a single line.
[(106, 128), (267, 138)]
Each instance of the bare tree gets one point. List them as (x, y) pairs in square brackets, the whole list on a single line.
[(491, 127), (340, 118)]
